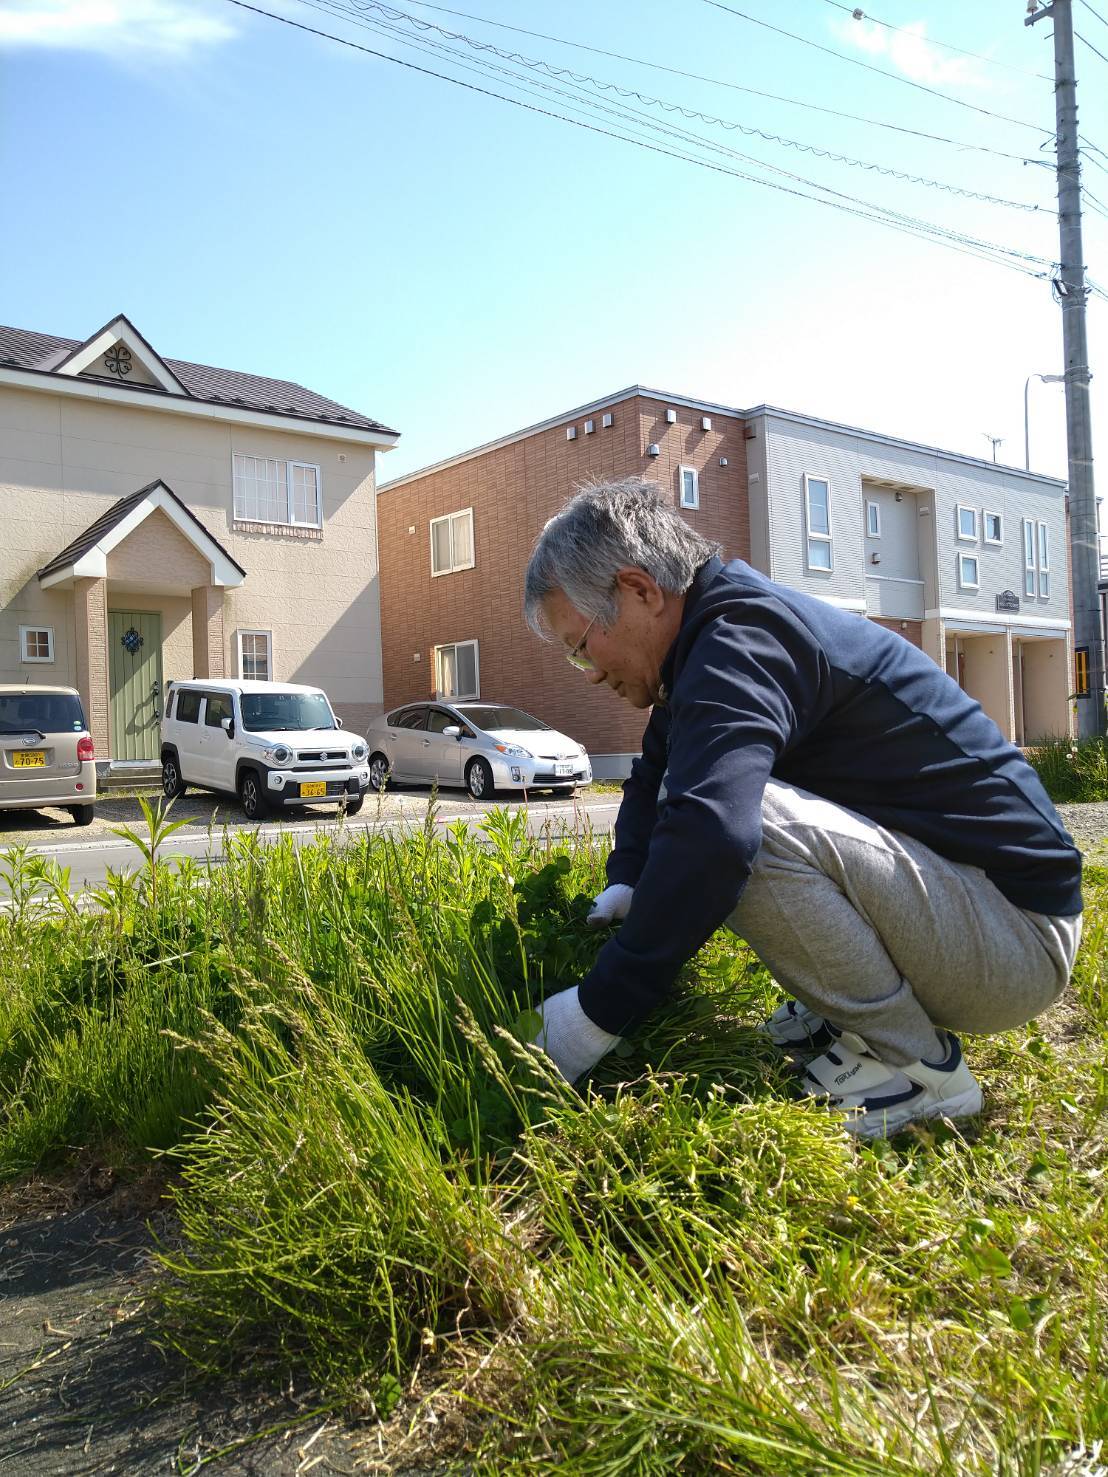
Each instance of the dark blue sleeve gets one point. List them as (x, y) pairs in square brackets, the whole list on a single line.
[(743, 692), (638, 810)]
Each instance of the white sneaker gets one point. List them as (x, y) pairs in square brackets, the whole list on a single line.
[(877, 1099), (797, 1028)]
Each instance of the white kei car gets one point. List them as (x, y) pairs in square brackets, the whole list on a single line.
[(481, 745)]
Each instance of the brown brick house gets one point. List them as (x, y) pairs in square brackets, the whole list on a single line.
[(454, 541), (965, 558)]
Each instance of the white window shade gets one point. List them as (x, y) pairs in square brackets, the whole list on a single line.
[(269, 490), (457, 671), (452, 542)]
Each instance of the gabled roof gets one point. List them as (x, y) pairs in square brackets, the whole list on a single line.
[(91, 548), (45, 353)]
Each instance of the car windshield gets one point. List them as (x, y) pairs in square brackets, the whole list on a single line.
[(48, 712), (493, 719), (270, 712)]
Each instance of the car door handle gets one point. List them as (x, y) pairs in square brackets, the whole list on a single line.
[(426, 743)]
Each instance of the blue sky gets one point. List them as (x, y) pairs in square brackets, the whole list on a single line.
[(263, 199)]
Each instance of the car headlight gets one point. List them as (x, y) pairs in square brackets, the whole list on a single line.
[(358, 753), (514, 751), (279, 754)]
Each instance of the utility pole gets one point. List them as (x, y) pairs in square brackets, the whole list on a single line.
[(1069, 287)]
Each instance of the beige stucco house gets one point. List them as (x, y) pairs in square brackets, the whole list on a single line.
[(162, 520)]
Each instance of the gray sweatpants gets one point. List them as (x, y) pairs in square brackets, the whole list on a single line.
[(884, 937)]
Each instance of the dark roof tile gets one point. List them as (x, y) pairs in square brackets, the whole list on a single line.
[(22, 349)]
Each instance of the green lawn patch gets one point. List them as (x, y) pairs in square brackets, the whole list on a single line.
[(681, 1269)]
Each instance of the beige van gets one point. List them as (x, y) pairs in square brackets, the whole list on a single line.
[(46, 753)]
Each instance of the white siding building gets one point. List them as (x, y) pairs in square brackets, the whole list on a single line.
[(966, 558)]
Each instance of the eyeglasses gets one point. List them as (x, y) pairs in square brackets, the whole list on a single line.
[(580, 658)]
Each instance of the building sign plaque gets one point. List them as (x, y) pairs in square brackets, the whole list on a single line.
[(1007, 600)]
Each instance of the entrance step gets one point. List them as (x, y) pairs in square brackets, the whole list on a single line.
[(126, 774)]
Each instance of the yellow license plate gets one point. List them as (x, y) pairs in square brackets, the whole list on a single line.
[(29, 759), (313, 787)]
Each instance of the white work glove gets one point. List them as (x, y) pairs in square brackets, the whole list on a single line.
[(572, 1042), (613, 904)]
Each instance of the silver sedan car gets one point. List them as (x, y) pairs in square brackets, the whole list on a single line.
[(46, 753), (482, 746)]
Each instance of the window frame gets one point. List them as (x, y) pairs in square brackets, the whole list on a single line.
[(288, 463), (1042, 547), (1030, 557), (827, 538), (872, 506), (966, 538), (456, 697), (695, 475), (997, 542), (964, 584), (454, 567), (25, 656), (250, 631), (187, 692)]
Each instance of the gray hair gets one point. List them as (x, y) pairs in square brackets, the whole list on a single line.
[(604, 528)]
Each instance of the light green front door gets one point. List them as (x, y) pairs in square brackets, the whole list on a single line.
[(135, 677)]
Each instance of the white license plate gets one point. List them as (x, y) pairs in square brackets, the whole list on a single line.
[(563, 768)]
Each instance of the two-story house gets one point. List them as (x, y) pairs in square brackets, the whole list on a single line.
[(166, 520), (964, 558)]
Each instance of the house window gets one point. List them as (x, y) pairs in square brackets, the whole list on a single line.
[(1044, 563), (967, 523), (1029, 562), (452, 542), (994, 528), (256, 656), (689, 481), (268, 490), (457, 671), (817, 516), (36, 643), (968, 575), (873, 520)]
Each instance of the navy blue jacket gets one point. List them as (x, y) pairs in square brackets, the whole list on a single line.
[(764, 681)]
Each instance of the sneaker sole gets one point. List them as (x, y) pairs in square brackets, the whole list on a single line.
[(880, 1125)]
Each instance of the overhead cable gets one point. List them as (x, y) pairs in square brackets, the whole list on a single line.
[(638, 61), (869, 67), (1003, 256), (1097, 13), (1091, 47), (993, 61), (635, 119), (584, 79)]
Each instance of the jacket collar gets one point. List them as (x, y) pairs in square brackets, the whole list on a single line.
[(693, 596)]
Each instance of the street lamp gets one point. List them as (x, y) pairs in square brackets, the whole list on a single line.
[(1047, 379)]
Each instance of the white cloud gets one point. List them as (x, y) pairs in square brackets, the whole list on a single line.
[(116, 27), (910, 52)]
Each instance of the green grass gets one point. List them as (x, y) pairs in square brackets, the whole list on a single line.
[(1072, 770), (682, 1269)]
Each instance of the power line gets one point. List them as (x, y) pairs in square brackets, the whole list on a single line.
[(883, 214), (930, 41), (794, 102), (869, 67), (581, 78), (1097, 13), (1000, 255), (1091, 47)]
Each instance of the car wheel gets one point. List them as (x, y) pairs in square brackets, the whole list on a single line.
[(379, 772), (83, 814), (172, 783), (355, 804), (252, 797), (479, 779)]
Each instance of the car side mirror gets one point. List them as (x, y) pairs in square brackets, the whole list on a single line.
[(452, 731), (228, 726), (338, 722)]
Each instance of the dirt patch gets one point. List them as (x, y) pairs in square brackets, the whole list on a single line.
[(86, 1386)]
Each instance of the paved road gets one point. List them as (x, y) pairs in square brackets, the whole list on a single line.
[(89, 861)]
